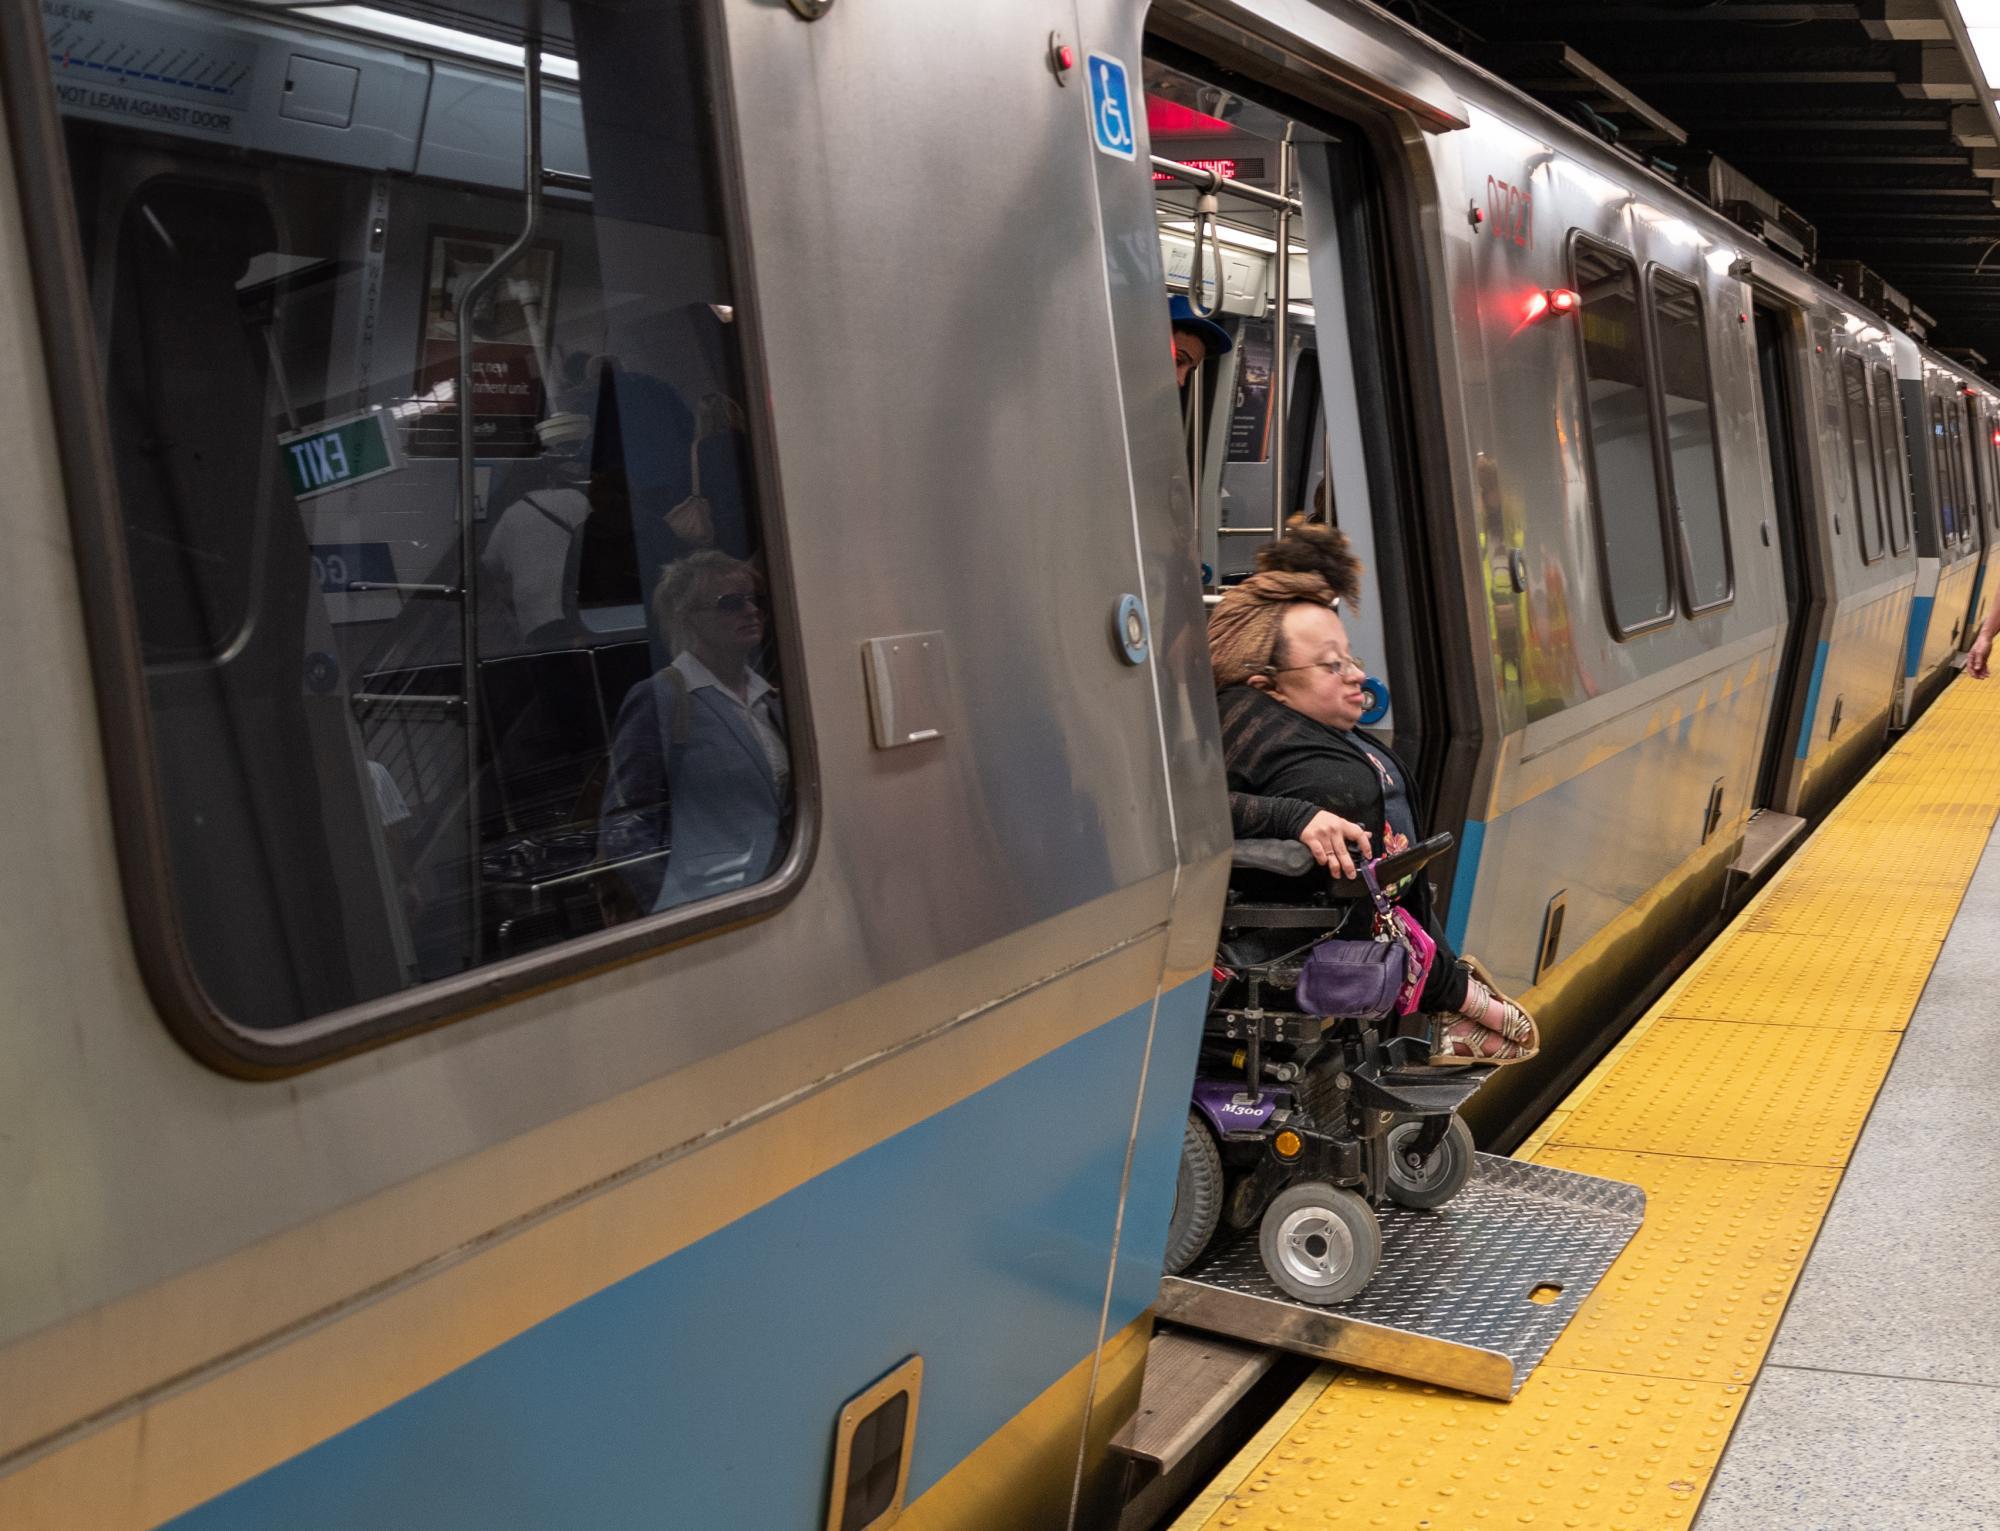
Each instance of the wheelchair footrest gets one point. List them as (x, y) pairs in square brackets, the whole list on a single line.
[(1418, 1091)]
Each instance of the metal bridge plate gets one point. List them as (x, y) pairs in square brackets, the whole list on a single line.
[(1470, 1296)]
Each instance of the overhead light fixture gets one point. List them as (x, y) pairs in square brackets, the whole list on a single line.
[(424, 34)]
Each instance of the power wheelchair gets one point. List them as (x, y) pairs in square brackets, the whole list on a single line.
[(1302, 1125)]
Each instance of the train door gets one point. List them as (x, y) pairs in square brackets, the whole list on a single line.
[(1308, 411), (1935, 528), (1955, 600), (1982, 502), (1986, 447), (1805, 596)]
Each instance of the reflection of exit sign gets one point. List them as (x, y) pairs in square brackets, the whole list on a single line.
[(334, 455)]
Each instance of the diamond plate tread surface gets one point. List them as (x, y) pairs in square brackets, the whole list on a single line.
[(1461, 1275), (1698, 1293), (1778, 979), (1735, 1104), (1574, 1448), (1725, 1090)]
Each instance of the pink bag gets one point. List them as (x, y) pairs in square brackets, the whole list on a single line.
[(1400, 926), (1423, 953)]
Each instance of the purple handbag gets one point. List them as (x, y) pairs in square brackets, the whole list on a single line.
[(1365, 980), (1353, 980)]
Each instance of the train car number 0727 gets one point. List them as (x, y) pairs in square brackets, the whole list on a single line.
[(1510, 213)]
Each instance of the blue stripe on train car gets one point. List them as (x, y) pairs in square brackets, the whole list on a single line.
[(1812, 699), (1459, 915), (1920, 626), (978, 1238)]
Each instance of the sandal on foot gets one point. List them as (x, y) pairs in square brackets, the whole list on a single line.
[(1459, 1039), (1523, 1028)]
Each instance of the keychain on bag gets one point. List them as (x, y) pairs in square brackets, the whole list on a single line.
[(1366, 980)]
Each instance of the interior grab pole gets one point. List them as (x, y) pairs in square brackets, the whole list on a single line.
[(468, 521), (1216, 181), (1281, 285)]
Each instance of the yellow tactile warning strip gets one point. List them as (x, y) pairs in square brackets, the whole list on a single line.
[(1735, 1103), (1775, 979), (1699, 1289), (1724, 1090)]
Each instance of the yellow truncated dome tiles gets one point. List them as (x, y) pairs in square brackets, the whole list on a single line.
[(1735, 1103)]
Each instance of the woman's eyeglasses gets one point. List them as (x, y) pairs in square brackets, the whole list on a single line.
[(736, 602), (1337, 666)]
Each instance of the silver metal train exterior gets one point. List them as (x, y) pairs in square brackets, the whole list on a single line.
[(616, 1244)]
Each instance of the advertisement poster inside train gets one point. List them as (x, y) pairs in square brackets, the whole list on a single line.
[(511, 325), (1250, 416)]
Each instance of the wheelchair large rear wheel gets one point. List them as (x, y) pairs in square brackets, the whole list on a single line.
[(1320, 1243), (1197, 1196)]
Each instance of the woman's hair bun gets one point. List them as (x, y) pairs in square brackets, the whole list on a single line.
[(1312, 548)]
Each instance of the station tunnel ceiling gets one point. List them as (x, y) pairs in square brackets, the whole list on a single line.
[(1873, 121)]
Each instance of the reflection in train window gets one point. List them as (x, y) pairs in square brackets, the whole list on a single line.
[(1861, 458), (1964, 423), (1888, 440), (1942, 475), (1694, 470), (1623, 469), (1961, 497), (401, 736), (1992, 447)]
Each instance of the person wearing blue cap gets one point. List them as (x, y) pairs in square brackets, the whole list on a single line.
[(1195, 338)]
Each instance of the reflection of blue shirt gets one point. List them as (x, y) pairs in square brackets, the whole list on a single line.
[(694, 806)]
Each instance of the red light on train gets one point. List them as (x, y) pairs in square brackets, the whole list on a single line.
[(1553, 300)]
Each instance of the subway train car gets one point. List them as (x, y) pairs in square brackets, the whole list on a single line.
[(1950, 418), (470, 1059), (616, 863)]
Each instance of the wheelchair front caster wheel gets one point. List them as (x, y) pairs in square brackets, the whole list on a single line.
[(1442, 1174), (1320, 1243)]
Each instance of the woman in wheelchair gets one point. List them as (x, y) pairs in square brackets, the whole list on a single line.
[(1289, 689)]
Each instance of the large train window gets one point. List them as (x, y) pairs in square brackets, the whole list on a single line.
[(1694, 471), (1619, 431), (1888, 443), (447, 568), (1861, 458)]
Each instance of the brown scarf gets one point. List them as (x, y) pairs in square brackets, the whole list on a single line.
[(1243, 631)]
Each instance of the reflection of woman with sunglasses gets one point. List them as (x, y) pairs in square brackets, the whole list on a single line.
[(699, 798)]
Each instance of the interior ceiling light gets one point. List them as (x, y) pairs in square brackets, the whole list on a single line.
[(424, 34)]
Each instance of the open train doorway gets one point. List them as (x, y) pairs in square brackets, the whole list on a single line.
[(1275, 225), (1779, 338)]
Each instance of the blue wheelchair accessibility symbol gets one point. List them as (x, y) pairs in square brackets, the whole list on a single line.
[(1111, 107)]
